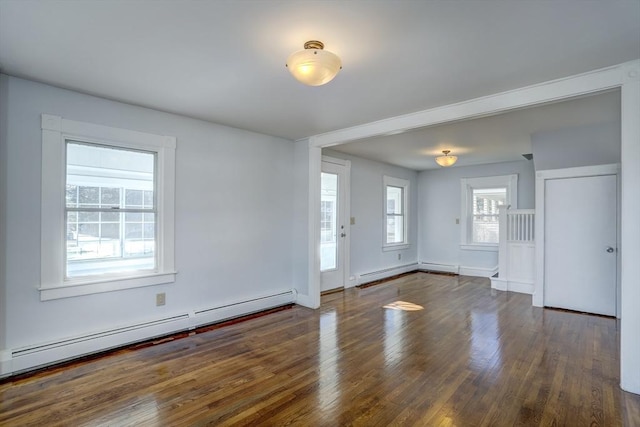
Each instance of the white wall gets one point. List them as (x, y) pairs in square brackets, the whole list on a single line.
[(588, 145), (367, 233), (439, 207), (4, 88), (300, 244), (233, 217)]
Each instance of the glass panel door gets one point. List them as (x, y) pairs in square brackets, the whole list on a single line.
[(329, 222)]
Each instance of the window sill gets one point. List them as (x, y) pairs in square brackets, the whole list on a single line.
[(95, 286), (396, 247), (488, 247)]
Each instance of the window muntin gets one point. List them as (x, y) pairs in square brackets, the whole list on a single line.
[(395, 213), (110, 210)]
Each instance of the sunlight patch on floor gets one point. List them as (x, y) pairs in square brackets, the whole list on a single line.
[(404, 306)]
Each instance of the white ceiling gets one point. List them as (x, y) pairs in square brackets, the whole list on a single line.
[(223, 61), (500, 138)]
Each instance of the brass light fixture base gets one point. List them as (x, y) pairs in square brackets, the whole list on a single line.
[(314, 44)]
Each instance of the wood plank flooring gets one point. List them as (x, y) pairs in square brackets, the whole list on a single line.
[(471, 357)]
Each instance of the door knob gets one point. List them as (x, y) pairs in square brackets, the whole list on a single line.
[(342, 234), (610, 249)]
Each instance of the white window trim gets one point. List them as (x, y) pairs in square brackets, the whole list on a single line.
[(404, 184), (55, 132), (467, 185)]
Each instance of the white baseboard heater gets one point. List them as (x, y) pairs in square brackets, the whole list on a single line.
[(386, 272), (43, 354)]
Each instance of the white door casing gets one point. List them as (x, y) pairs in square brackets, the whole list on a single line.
[(580, 236)]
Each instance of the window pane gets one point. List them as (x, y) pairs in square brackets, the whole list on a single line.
[(110, 217), (133, 198), (89, 196), (110, 231), (110, 196), (133, 217), (328, 221), (485, 202), (395, 215), (148, 199), (72, 195), (394, 200), (88, 231), (133, 231), (149, 231), (395, 229), (485, 228), (88, 216), (106, 242)]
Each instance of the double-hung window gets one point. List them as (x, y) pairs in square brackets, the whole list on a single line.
[(396, 204), (107, 208), (110, 210), (481, 199)]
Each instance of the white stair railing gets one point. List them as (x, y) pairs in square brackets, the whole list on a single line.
[(516, 250)]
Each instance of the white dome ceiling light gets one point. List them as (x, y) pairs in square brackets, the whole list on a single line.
[(314, 66), (446, 160)]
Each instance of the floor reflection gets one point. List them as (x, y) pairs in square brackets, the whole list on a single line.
[(486, 349), (393, 337), (142, 412), (329, 382)]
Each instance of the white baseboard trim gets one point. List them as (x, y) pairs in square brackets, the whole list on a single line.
[(435, 266), (26, 358), (498, 284), (520, 287), (477, 271), (5, 363), (304, 300), (512, 286), (384, 273)]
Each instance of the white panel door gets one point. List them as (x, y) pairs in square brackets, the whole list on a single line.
[(581, 244), (333, 226)]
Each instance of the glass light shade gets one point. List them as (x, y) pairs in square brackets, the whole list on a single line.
[(446, 160), (314, 66)]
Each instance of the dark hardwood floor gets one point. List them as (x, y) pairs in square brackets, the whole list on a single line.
[(471, 357)]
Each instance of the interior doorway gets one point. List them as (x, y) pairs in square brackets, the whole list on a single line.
[(334, 223)]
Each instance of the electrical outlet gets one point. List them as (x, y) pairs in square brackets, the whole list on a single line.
[(458, 221), (160, 299), (353, 220), (399, 256)]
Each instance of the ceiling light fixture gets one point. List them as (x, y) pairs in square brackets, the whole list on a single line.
[(446, 160), (314, 66)]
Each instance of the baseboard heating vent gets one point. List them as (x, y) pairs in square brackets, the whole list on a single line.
[(386, 272), (95, 336), (207, 316), (286, 294)]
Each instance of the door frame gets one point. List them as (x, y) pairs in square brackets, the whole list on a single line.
[(625, 76), (346, 253), (576, 172)]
